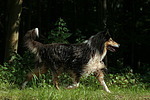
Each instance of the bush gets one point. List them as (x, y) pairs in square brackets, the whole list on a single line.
[(127, 80), (60, 33), (14, 71)]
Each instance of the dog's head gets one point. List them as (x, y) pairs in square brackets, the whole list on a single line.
[(109, 42), (111, 45), (102, 40)]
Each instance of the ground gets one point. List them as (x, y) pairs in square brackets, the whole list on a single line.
[(12, 92)]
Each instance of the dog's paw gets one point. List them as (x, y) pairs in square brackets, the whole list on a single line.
[(71, 87)]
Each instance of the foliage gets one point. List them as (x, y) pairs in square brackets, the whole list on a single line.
[(126, 78), (14, 71), (80, 38), (123, 80), (60, 33)]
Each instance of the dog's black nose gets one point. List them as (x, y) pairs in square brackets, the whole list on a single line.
[(105, 69)]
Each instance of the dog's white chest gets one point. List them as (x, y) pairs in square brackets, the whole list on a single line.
[(93, 65)]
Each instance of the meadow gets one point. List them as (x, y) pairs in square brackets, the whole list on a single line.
[(12, 92)]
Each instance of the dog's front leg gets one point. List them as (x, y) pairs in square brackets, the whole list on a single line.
[(100, 76)]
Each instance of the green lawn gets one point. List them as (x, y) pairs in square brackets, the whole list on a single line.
[(11, 92)]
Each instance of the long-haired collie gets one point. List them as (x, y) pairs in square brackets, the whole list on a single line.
[(76, 59)]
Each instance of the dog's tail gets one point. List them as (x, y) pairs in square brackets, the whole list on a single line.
[(29, 40)]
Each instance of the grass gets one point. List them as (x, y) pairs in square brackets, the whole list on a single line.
[(11, 92)]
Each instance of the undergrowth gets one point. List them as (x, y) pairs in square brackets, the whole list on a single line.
[(14, 73)]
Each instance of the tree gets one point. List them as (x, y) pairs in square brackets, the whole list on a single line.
[(14, 8)]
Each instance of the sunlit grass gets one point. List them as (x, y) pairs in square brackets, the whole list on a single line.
[(12, 92)]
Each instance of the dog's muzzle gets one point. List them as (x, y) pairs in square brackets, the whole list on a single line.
[(105, 70)]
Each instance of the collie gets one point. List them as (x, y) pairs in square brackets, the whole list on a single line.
[(76, 59)]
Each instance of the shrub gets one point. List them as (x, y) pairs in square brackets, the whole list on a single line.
[(60, 33), (15, 70)]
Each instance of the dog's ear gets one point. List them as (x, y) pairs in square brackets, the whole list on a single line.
[(106, 33)]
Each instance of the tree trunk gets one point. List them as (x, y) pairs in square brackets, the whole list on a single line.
[(13, 19)]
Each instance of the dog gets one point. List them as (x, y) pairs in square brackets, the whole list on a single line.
[(76, 59)]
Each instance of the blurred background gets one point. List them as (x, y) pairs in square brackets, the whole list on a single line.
[(73, 21)]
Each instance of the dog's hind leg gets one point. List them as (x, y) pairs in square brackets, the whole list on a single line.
[(75, 79), (100, 76), (55, 79), (41, 69)]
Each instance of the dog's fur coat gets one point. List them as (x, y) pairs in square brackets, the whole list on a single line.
[(76, 59)]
